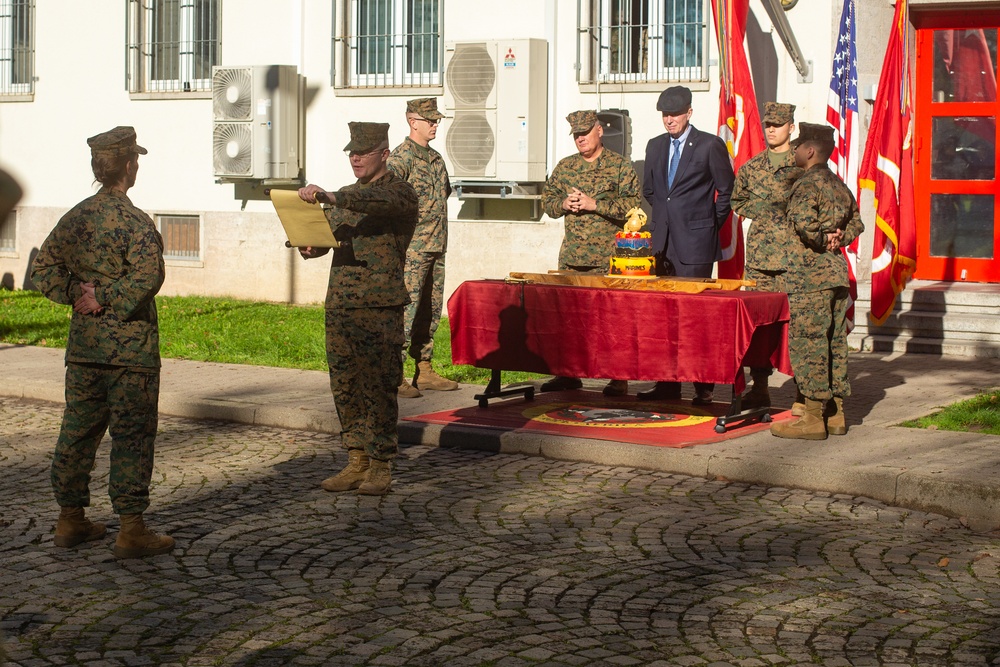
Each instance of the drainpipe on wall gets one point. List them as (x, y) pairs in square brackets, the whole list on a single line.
[(552, 33), (777, 14)]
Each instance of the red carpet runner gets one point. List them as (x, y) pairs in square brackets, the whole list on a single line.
[(589, 415)]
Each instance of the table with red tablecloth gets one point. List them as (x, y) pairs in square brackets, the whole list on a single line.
[(621, 334)]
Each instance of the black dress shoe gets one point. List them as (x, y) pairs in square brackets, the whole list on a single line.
[(560, 383), (704, 397), (616, 388), (663, 391)]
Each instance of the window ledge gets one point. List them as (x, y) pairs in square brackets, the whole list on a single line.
[(18, 97), (178, 95), (7, 253), (640, 87), (390, 91), (179, 263), (479, 221)]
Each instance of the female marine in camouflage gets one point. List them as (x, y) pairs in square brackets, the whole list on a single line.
[(105, 258)]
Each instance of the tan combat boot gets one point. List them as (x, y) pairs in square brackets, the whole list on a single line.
[(378, 480), (135, 540), (426, 378), (73, 527), (350, 477), (799, 406), (809, 426), (758, 396), (407, 390), (836, 423)]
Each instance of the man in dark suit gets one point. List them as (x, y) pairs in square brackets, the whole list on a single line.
[(687, 181)]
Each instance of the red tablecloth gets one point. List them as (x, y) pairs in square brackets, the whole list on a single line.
[(622, 334)]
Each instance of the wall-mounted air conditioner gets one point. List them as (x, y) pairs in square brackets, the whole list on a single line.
[(255, 130), (495, 96)]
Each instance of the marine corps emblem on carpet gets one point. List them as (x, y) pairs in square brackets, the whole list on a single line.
[(590, 415)]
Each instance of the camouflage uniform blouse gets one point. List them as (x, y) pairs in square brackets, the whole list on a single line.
[(107, 241), (423, 168), (373, 223), (761, 194), (819, 203), (611, 180)]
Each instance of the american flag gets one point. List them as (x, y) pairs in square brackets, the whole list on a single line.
[(842, 114)]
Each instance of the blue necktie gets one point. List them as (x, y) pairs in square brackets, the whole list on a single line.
[(675, 157)]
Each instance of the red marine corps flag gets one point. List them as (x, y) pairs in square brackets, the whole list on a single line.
[(887, 168), (739, 121)]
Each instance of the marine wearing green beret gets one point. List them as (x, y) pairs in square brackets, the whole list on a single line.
[(592, 190), (423, 168), (825, 217), (373, 220), (105, 258), (760, 194)]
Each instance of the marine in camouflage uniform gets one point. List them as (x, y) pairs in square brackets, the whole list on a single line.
[(423, 167), (825, 217), (373, 220), (608, 188), (760, 193), (105, 258), (593, 190)]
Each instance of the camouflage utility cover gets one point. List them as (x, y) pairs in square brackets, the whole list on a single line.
[(115, 143), (822, 134), (581, 122), (779, 113), (425, 107), (367, 136)]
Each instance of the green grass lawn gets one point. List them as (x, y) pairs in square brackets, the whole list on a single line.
[(222, 330), (979, 415)]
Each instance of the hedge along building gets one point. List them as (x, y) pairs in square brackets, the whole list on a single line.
[(294, 72)]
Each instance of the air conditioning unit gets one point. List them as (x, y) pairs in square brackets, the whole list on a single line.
[(495, 98), (255, 130)]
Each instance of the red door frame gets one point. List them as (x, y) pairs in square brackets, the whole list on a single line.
[(925, 110)]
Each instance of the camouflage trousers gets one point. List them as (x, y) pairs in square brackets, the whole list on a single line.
[(362, 349), (424, 278), (817, 342), (124, 402), (767, 281)]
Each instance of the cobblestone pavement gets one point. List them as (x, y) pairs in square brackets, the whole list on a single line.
[(477, 559)]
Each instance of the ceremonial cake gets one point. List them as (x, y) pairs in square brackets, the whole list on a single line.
[(633, 252)]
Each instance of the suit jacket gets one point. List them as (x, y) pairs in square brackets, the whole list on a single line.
[(687, 217)]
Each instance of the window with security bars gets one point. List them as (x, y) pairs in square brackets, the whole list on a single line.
[(181, 236), (173, 45), (391, 43), (8, 232), (17, 47), (638, 41)]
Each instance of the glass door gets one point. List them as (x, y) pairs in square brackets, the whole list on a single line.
[(955, 142)]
